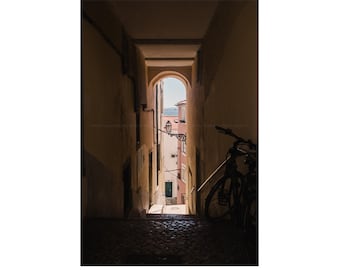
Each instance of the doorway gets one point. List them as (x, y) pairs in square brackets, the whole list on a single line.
[(172, 134), (127, 188), (150, 178)]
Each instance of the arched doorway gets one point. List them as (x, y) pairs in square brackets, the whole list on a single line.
[(172, 185)]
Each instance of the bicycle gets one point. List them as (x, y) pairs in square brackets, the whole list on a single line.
[(235, 192)]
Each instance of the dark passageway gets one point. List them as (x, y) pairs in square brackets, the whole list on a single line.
[(128, 48)]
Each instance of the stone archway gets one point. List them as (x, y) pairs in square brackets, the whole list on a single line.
[(183, 75), (188, 183)]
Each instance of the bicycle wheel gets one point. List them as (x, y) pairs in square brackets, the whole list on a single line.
[(250, 213), (250, 216), (217, 203)]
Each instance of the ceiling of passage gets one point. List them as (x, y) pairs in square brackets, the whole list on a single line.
[(167, 32)]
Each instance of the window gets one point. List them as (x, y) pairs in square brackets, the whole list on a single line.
[(182, 116), (183, 198), (137, 129), (183, 173), (168, 189), (184, 147)]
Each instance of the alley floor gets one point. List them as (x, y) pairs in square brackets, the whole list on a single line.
[(176, 209), (166, 240)]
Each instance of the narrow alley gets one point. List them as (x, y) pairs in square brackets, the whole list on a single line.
[(166, 240), (129, 50), (169, 133)]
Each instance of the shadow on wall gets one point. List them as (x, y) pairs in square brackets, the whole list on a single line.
[(100, 198)]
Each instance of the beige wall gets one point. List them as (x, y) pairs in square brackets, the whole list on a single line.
[(227, 94), (109, 117), (109, 121)]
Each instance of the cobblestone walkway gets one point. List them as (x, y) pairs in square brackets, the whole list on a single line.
[(165, 239)]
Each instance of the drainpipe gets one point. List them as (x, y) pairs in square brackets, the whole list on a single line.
[(145, 109)]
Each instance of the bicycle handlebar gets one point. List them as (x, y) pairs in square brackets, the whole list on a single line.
[(228, 131)]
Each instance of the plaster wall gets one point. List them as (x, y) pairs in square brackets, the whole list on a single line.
[(119, 118), (182, 155), (109, 124), (147, 177), (225, 94)]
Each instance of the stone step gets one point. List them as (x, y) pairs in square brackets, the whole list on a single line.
[(170, 216)]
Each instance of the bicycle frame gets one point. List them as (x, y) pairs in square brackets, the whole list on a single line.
[(233, 192), (229, 156), (214, 172)]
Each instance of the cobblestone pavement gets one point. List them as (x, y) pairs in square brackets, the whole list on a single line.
[(165, 239)]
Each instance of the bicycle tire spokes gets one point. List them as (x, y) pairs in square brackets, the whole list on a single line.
[(217, 204), (223, 198), (224, 194), (250, 194)]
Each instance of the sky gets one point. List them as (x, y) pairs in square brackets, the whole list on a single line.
[(174, 91)]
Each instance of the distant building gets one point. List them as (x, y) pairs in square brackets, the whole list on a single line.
[(182, 156), (173, 156), (169, 159)]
